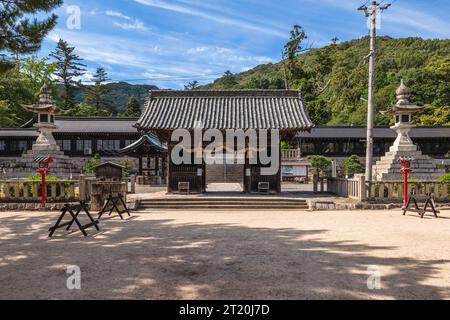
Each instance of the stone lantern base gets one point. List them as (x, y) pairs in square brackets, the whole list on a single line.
[(388, 167), (424, 168)]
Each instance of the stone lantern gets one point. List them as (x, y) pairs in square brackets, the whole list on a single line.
[(46, 112), (388, 167), (46, 145), (402, 112)]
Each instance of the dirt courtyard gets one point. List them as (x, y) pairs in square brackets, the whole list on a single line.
[(235, 255)]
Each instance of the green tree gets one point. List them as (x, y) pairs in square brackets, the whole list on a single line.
[(318, 112), (8, 118), (90, 165), (86, 110), (126, 167), (284, 145), (352, 165), (191, 85), (97, 95), (21, 85), (132, 109), (291, 50), (35, 72), (444, 178), (228, 80), (19, 34), (434, 116), (68, 69), (319, 164)]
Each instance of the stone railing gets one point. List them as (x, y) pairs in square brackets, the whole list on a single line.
[(21, 190), (290, 154), (383, 191), (393, 190), (354, 188)]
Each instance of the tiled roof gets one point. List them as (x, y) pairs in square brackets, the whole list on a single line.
[(338, 132), (95, 125), (148, 140), (225, 109)]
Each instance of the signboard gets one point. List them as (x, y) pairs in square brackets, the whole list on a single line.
[(295, 171)]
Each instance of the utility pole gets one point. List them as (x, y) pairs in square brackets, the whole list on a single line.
[(372, 12)]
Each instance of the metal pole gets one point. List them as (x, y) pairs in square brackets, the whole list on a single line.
[(370, 104)]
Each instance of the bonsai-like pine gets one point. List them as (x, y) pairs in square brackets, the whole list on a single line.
[(352, 165), (319, 164)]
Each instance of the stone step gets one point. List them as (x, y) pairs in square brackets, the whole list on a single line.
[(224, 207), (225, 203), (226, 199)]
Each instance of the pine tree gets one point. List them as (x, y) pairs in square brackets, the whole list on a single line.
[(21, 35), (68, 67), (132, 109), (97, 94), (191, 85), (291, 50)]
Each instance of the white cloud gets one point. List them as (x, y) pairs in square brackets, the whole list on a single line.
[(117, 14), (419, 20), (212, 17), (132, 24), (136, 25), (166, 60)]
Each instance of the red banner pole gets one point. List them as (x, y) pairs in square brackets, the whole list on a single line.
[(44, 189), (405, 188)]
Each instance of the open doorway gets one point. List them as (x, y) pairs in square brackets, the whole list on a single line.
[(224, 177)]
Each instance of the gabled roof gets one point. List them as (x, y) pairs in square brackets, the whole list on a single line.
[(224, 109), (146, 144), (109, 163)]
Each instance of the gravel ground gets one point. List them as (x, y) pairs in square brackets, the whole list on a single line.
[(236, 255)]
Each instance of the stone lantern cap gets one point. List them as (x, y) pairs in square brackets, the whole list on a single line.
[(403, 104), (45, 102)]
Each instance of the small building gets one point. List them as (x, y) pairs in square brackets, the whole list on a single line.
[(109, 171), (198, 111), (148, 147)]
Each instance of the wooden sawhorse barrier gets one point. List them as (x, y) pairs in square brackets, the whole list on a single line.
[(429, 206), (74, 211), (113, 202)]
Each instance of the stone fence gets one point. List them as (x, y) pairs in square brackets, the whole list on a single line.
[(61, 191), (20, 190), (382, 191)]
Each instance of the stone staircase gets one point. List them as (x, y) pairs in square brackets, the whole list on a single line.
[(424, 168), (224, 203)]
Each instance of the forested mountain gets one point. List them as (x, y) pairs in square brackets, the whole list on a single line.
[(119, 93), (333, 79)]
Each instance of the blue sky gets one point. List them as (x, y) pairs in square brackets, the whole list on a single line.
[(171, 42)]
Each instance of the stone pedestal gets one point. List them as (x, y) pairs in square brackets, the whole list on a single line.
[(388, 167)]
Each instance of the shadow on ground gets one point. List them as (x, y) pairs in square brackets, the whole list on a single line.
[(160, 258)]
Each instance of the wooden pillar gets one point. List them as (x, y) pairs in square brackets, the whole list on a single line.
[(140, 165), (169, 168), (157, 173), (278, 187)]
